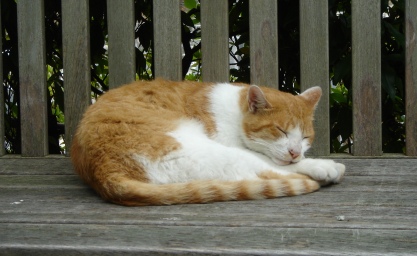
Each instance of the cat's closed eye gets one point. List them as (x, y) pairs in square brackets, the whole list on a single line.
[(282, 130)]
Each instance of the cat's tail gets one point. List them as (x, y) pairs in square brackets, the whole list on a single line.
[(126, 191)]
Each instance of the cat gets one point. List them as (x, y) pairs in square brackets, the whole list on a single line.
[(162, 142)]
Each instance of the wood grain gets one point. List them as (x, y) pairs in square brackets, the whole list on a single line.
[(167, 53), (45, 209), (263, 29), (39, 239), (314, 66), (58, 165), (366, 80), (215, 40), (121, 27), (76, 53), (32, 78), (411, 78), (2, 108)]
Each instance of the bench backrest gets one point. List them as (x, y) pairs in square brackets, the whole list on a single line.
[(314, 43)]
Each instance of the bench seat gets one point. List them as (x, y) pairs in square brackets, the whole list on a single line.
[(46, 210)]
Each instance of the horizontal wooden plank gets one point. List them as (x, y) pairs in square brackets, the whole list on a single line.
[(373, 211), (145, 239), (57, 165), (36, 166), (350, 183), (374, 217), (61, 194)]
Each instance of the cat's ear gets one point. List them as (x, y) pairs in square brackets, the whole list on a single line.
[(256, 99), (312, 95)]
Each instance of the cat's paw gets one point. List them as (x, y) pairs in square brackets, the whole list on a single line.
[(323, 171)]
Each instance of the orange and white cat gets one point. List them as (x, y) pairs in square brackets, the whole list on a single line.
[(162, 142)]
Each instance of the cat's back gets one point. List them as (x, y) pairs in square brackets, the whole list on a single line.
[(146, 98), (150, 94)]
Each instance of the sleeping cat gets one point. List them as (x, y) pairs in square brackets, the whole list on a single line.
[(162, 142)]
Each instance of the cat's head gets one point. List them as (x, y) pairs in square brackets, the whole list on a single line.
[(279, 125)]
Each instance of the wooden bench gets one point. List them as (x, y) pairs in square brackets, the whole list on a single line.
[(46, 210)]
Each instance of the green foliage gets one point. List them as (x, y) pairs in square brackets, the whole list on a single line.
[(393, 44)]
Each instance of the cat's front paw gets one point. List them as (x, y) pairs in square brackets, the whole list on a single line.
[(323, 171)]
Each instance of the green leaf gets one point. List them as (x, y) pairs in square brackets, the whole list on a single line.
[(190, 4), (338, 97)]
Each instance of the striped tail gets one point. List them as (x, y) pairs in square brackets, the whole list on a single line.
[(126, 191)]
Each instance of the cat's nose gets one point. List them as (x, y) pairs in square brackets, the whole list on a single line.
[(294, 153)]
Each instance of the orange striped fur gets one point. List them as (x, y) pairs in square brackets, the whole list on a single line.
[(131, 132)]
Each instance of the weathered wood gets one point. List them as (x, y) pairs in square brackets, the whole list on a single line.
[(77, 73), (49, 210), (314, 66), (215, 40), (358, 184), (263, 29), (32, 77), (35, 166), (58, 165), (359, 213), (167, 53), (146, 239), (411, 78), (2, 121), (366, 77), (121, 27)]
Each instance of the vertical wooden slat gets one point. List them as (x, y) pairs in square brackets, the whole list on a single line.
[(314, 66), (366, 80), (32, 77), (215, 40), (263, 22), (2, 121), (167, 39), (121, 28), (411, 78), (76, 47)]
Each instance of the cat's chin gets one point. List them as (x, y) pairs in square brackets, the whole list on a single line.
[(281, 162)]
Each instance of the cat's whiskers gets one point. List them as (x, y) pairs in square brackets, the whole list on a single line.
[(275, 151)]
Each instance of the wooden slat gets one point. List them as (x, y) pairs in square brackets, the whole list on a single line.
[(48, 210), (263, 22), (2, 121), (215, 40), (121, 28), (76, 46), (314, 65), (411, 78), (32, 77), (366, 80), (68, 239), (58, 165), (167, 39)]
